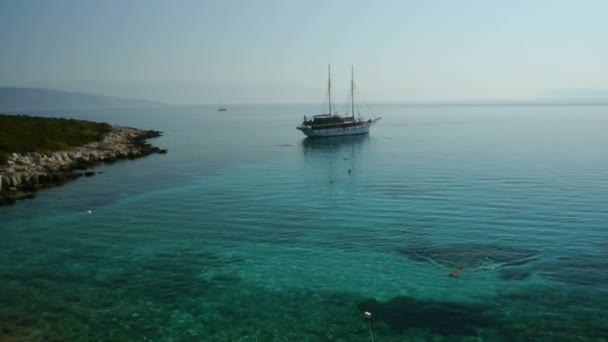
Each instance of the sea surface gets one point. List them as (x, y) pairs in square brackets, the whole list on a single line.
[(246, 231)]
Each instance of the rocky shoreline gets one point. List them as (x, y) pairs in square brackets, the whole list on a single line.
[(24, 174)]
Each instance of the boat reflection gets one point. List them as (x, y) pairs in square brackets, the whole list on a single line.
[(334, 160), (334, 148), (335, 144)]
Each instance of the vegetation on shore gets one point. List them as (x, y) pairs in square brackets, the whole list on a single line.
[(24, 133)]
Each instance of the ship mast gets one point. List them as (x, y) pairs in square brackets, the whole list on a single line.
[(352, 90), (329, 86)]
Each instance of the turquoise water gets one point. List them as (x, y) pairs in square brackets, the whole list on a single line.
[(245, 231)]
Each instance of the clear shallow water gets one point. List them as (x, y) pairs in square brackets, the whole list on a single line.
[(245, 231)]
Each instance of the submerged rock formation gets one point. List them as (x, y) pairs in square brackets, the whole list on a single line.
[(24, 174)]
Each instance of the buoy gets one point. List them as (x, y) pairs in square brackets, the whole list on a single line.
[(89, 212), (368, 318)]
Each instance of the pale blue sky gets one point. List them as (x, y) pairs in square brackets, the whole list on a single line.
[(402, 50)]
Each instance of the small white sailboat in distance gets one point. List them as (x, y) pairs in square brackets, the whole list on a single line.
[(331, 125), (221, 107)]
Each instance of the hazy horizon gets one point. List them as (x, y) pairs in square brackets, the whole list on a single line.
[(194, 52)]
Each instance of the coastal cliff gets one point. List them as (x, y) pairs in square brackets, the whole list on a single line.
[(23, 174)]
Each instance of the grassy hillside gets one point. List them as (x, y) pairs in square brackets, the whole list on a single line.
[(23, 133)]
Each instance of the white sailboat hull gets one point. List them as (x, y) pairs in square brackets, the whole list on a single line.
[(362, 128)]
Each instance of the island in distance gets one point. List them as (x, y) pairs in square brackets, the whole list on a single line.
[(17, 99)]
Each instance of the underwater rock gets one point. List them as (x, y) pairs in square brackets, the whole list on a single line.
[(446, 318), (472, 255), (514, 274), (581, 269), (549, 313)]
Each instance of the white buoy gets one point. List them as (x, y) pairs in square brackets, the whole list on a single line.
[(89, 212), (368, 318)]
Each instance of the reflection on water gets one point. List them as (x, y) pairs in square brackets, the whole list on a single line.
[(331, 158), (335, 145)]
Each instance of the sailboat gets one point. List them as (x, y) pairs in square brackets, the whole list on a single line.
[(221, 108), (331, 124)]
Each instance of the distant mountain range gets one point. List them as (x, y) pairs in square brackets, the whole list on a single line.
[(17, 99), (140, 95), (198, 93)]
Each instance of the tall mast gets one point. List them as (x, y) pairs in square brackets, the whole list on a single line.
[(352, 90), (329, 86)]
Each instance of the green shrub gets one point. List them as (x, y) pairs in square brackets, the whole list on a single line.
[(23, 133)]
